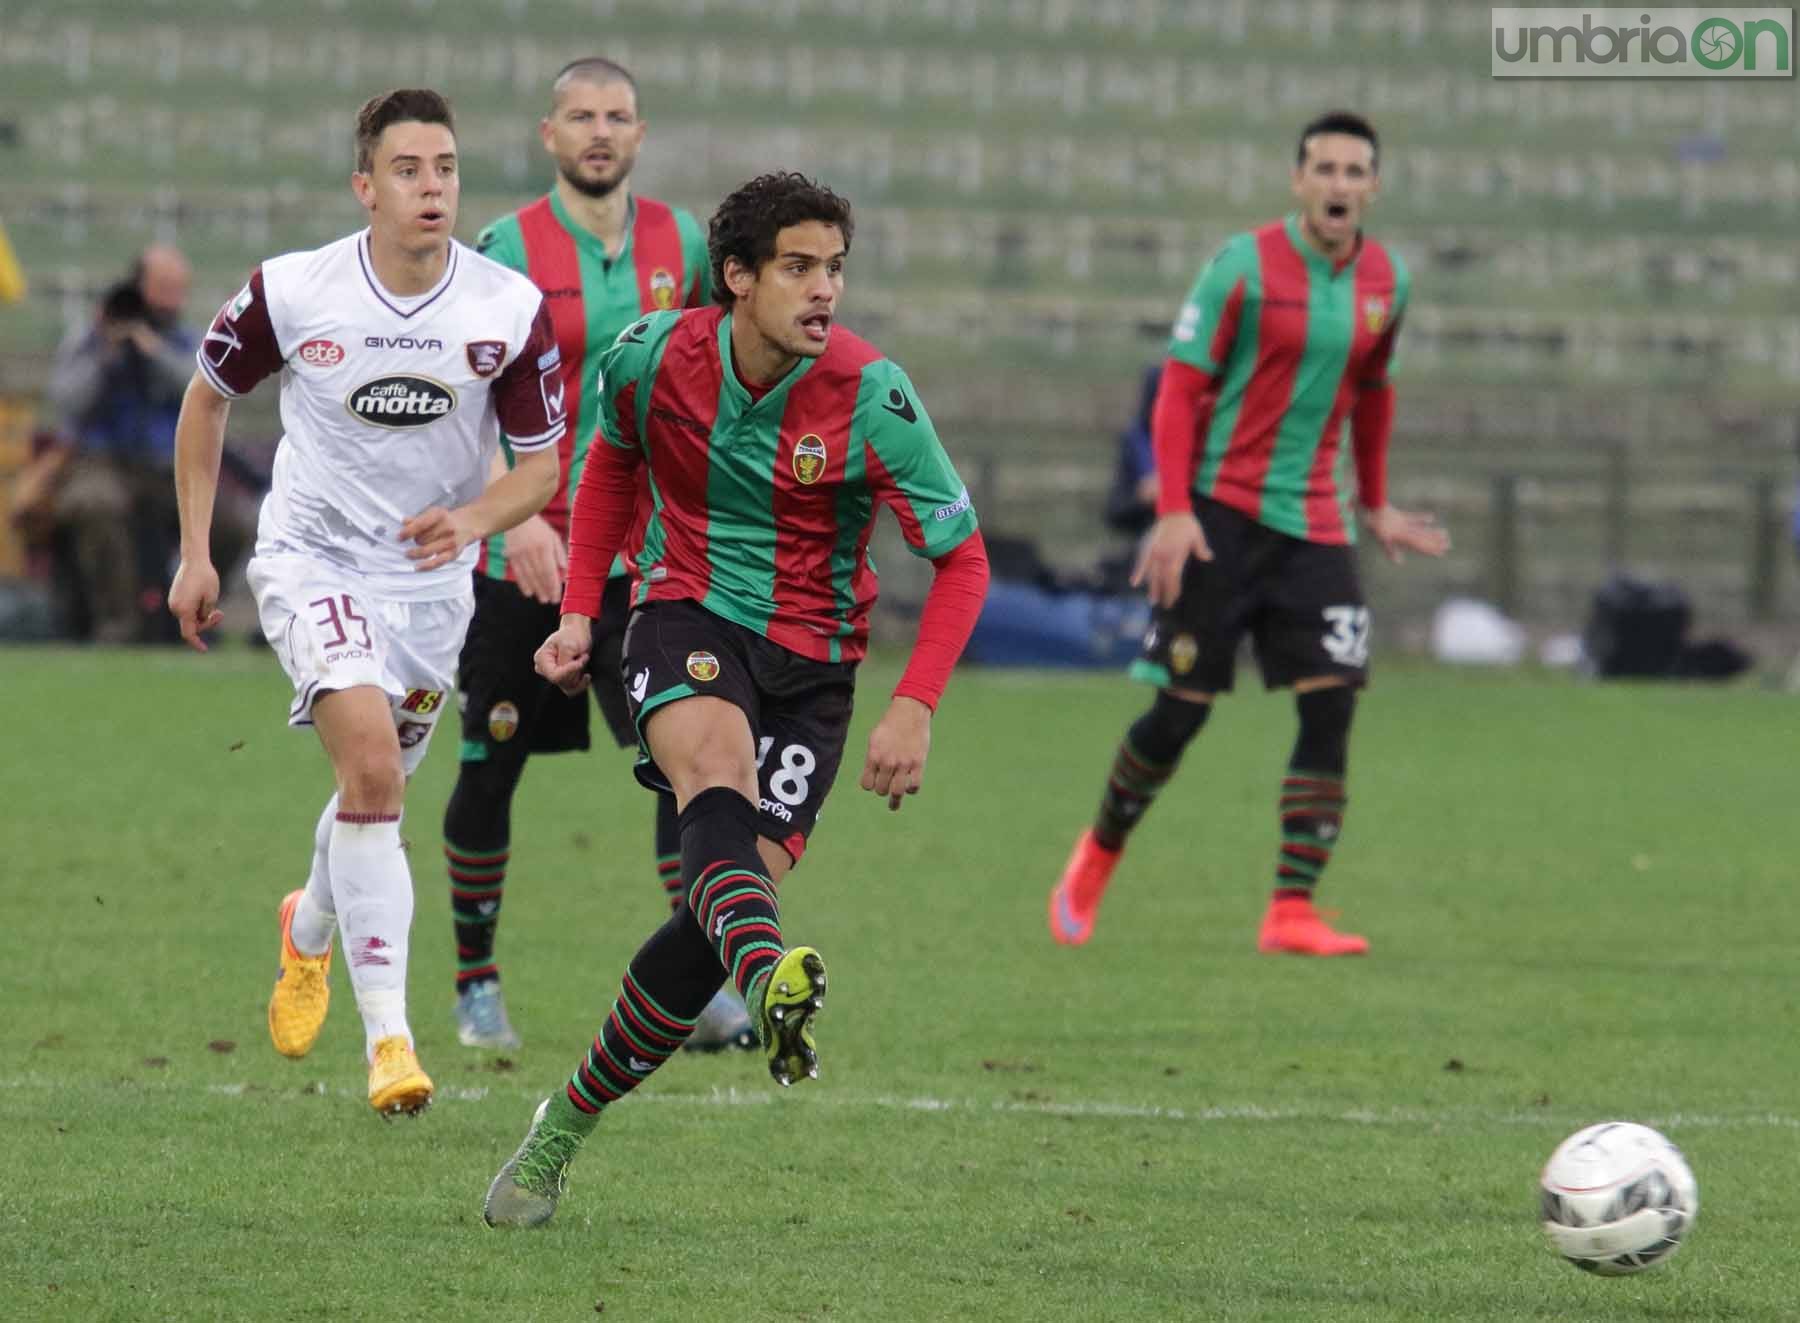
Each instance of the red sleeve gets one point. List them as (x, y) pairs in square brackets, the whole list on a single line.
[(528, 395), (239, 348), (1183, 408), (1370, 424), (958, 588), (606, 502)]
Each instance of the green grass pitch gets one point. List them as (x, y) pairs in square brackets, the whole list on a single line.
[(1581, 902)]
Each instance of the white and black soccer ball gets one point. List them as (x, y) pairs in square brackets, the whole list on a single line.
[(1617, 1198)]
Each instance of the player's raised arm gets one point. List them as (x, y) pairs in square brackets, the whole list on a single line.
[(910, 473)]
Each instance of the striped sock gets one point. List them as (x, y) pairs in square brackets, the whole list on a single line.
[(736, 910), (668, 850), (1132, 785), (637, 1037), (476, 880), (1312, 816)]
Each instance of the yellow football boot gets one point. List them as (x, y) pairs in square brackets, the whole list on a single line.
[(793, 994), (397, 1085), (302, 991)]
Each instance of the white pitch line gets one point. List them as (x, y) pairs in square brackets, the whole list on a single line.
[(1397, 1117)]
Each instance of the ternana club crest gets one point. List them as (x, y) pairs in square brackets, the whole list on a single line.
[(503, 721), (809, 459), (485, 356), (703, 666), (1375, 314), (662, 289), (1184, 651)]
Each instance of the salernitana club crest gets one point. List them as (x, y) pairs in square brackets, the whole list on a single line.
[(809, 459), (662, 289)]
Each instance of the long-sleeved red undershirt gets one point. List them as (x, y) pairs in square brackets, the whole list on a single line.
[(958, 588), (1371, 423), (1183, 408)]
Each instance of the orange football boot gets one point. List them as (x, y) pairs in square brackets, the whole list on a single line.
[(1076, 898), (1293, 927)]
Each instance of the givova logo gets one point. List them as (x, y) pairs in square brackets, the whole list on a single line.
[(1643, 43)]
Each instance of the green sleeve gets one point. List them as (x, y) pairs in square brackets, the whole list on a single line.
[(906, 464), (632, 358), (696, 262), (1194, 340), (504, 242)]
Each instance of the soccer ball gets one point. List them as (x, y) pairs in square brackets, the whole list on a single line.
[(1617, 1198)]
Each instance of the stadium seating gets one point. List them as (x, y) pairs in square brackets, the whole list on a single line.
[(1037, 182)]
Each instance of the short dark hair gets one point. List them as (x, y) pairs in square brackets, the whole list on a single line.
[(397, 107), (592, 69), (1341, 121), (747, 222)]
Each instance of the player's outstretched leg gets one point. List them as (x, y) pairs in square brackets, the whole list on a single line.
[(734, 900), (668, 981), (1143, 764), (1312, 819), (477, 835)]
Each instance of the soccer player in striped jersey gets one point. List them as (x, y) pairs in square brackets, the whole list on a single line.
[(603, 256), (770, 436), (1287, 337)]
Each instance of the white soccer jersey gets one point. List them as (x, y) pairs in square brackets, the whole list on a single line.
[(389, 406)]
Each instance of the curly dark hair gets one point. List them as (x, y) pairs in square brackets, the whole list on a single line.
[(747, 222), (398, 107)]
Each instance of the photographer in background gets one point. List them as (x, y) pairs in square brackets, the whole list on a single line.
[(115, 391)]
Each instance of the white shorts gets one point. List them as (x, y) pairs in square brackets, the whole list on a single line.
[(331, 633)]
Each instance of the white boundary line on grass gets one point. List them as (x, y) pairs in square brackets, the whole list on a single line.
[(1044, 1107)]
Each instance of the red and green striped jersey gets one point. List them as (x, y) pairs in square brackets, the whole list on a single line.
[(761, 508), (1289, 338), (591, 299)]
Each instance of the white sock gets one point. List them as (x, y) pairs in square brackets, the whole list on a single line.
[(315, 917), (372, 888)]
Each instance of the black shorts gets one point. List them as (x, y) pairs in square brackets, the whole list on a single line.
[(507, 706), (1300, 602), (799, 709)]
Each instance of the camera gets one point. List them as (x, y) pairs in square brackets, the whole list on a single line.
[(124, 302)]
